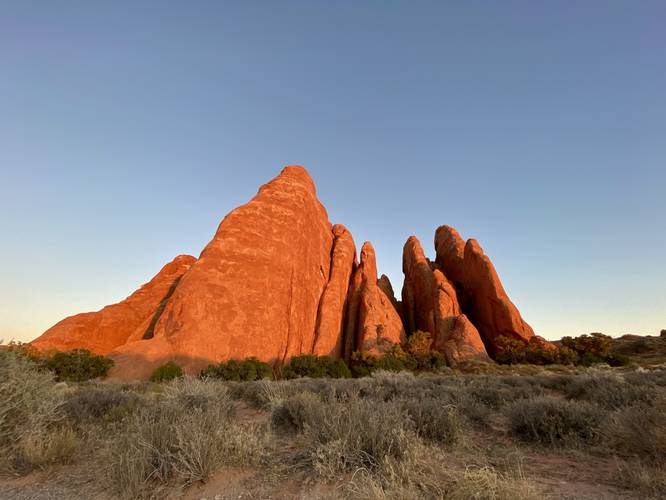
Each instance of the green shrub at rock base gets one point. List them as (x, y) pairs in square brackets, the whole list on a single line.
[(78, 365), (244, 370), (168, 371), (419, 347), (309, 365)]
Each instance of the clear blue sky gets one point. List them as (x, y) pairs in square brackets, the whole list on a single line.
[(129, 129)]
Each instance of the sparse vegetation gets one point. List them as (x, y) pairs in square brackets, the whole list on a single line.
[(444, 434)]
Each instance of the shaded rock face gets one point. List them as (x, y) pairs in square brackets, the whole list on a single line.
[(481, 293), (373, 324), (329, 335), (430, 304), (131, 319)]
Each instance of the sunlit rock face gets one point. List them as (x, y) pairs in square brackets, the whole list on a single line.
[(278, 280)]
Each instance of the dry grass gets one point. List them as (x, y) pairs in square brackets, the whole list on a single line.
[(391, 435)]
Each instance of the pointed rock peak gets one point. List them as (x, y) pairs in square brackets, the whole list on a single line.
[(181, 260), (484, 299), (412, 252), (339, 230), (449, 242), (385, 285), (368, 261), (298, 172)]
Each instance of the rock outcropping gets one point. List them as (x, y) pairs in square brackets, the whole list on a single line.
[(373, 323), (430, 304), (278, 280), (132, 319), (480, 290)]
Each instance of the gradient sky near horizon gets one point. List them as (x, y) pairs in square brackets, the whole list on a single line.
[(129, 129)]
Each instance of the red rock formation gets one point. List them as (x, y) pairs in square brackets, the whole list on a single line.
[(482, 296), (462, 342), (134, 317), (329, 337), (373, 324), (384, 284), (256, 287), (430, 304)]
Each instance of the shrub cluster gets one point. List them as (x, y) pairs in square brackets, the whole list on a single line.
[(584, 350), (309, 365), (239, 370), (78, 365), (513, 351), (31, 433), (551, 421), (184, 436), (417, 355)]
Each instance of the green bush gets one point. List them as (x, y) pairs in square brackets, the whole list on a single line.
[(513, 351), (167, 371), (363, 364), (591, 348), (78, 365), (244, 370), (419, 347), (553, 421), (309, 365)]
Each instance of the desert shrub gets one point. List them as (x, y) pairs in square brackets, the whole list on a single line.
[(553, 421), (419, 347), (487, 483), (181, 439), (662, 334), (94, 402), (363, 364), (434, 421), (649, 378), (190, 393), (309, 365), (590, 349), (638, 430), (339, 437), (57, 445), (607, 390), (512, 351), (30, 409), (642, 479), (239, 370), (292, 414), (166, 372), (78, 365)]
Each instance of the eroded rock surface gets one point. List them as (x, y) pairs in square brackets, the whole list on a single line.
[(256, 287), (329, 338), (481, 293), (430, 304), (373, 324), (112, 326)]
